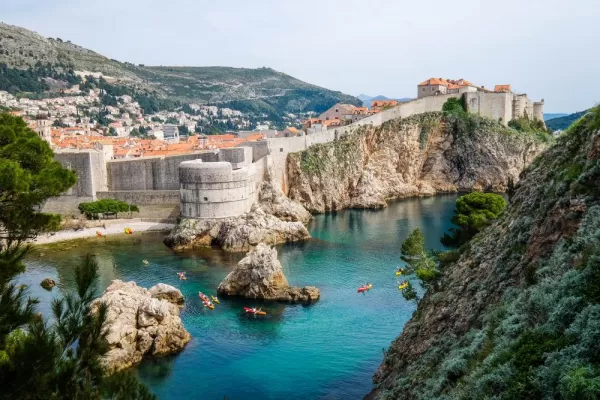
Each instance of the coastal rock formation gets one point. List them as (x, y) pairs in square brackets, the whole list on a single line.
[(235, 233), (274, 202), (259, 276), (48, 283), (417, 156), (275, 219), (516, 316), (141, 322)]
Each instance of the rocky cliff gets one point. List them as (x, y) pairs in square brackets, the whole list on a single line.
[(141, 322), (259, 276), (518, 314), (416, 156)]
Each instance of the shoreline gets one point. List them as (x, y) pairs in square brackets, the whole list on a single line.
[(114, 229)]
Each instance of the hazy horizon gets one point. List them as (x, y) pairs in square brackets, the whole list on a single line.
[(376, 48)]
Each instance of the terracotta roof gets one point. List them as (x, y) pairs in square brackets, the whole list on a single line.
[(434, 81), (502, 88)]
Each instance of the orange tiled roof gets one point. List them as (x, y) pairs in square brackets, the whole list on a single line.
[(502, 88)]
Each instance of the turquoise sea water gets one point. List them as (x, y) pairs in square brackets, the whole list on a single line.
[(328, 350)]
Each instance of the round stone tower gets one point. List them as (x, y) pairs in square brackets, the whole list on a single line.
[(214, 189)]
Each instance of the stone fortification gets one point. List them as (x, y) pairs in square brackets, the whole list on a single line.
[(215, 189)]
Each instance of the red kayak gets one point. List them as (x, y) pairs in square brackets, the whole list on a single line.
[(364, 288), (254, 311)]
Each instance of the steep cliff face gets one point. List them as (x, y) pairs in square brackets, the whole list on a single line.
[(518, 314), (416, 156)]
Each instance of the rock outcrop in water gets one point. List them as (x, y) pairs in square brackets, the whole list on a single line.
[(517, 315), (421, 155), (275, 219), (259, 276), (48, 283), (141, 322), (236, 233)]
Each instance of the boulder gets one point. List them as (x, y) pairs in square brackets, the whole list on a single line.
[(259, 276), (48, 283), (141, 322), (162, 291), (239, 233)]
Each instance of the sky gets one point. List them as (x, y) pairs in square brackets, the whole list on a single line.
[(544, 48)]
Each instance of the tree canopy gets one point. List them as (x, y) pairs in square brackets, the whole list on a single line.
[(29, 175), (95, 208), (473, 212)]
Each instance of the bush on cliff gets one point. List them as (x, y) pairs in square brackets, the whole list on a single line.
[(419, 262), (474, 211)]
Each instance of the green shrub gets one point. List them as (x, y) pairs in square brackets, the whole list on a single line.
[(106, 206), (473, 212)]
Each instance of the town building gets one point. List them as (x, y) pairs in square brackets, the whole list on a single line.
[(171, 133), (500, 104)]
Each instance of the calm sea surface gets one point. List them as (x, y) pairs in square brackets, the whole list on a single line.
[(328, 350)]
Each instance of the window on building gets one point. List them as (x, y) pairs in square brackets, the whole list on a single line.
[(281, 149), (337, 110), (206, 199), (422, 89)]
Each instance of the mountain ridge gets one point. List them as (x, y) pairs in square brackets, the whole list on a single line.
[(263, 89)]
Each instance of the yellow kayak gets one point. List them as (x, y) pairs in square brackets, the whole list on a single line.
[(403, 285), (215, 299)]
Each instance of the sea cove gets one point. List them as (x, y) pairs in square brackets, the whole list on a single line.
[(326, 350)]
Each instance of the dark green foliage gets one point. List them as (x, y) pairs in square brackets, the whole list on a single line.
[(473, 212), (525, 356), (96, 208), (14, 80), (563, 123), (419, 262), (29, 175), (526, 125), (455, 106)]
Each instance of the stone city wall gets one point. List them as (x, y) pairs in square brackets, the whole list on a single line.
[(143, 197), (162, 173)]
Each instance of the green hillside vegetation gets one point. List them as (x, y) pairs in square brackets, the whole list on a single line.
[(563, 123), (262, 90), (517, 315)]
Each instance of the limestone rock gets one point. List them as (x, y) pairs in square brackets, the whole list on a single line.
[(141, 322), (259, 276), (417, 156), (236, 233), (162, 291), (274, 202), (48, 283)]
